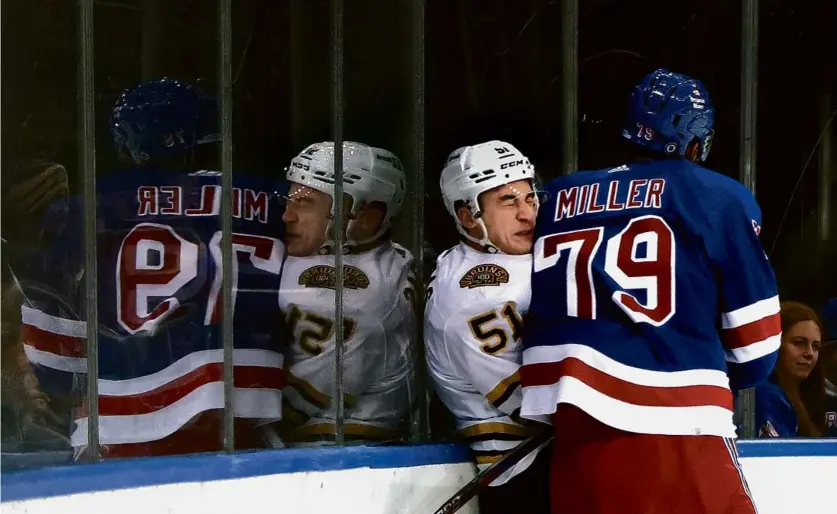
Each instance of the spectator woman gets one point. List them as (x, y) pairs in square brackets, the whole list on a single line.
[(792, 402)]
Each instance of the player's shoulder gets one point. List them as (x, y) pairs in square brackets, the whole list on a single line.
[(682, 176), (387, 263), (718, 182), (718, 193), (399, 255), (466, 278)]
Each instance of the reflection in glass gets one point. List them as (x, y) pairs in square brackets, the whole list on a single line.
[(43, 349), (159, 283), (378, 309)]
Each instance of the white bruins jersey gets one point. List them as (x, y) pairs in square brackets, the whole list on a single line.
[(472, 332), (379, 353)]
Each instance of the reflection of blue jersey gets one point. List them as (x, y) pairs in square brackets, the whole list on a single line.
[(774, 414), (159, 300), (651, 298)]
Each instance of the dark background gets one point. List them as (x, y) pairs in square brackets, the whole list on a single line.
[(492, 70)]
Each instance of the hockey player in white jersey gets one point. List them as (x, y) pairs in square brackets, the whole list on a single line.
[(379, 352), (477, 298)]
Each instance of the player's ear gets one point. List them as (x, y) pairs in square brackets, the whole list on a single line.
[(466, 218)]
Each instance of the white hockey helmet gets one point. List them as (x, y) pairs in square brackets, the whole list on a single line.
[(369, 175), (473, 170)]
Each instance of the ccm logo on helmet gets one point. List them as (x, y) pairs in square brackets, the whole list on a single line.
[(512, 164)]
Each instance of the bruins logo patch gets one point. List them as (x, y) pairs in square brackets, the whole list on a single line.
[(484, 275), (325, 277)]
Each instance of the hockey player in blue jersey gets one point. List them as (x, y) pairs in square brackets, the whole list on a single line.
[(159, 285), (652, 303)]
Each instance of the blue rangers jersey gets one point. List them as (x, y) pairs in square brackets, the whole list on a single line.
[(775, 416), (159, 283), (652, 299)]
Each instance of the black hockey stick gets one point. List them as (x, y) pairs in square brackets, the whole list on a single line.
[(481, 481)]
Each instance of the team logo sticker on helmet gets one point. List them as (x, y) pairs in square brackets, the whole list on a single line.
[(325, 277), (484, 275)]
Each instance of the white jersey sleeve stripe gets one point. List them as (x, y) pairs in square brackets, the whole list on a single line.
[(695, 420), (754, 351), (750, 313), (56, 362), (54, 324), (248, 403), (186, 365)]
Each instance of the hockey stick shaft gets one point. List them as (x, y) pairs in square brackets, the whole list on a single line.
[(481, 481)]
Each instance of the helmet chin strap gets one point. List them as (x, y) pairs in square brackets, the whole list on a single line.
[(484, 243)]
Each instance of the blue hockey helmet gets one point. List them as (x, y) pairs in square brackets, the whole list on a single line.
[(162, 118), (667, 111)]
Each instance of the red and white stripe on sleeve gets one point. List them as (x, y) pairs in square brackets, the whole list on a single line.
[(55, 342), (753, 331)]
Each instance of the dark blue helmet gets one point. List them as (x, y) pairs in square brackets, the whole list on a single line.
[(667, 111), (163, 118)]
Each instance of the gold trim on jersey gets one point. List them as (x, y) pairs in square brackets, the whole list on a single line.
[(483, 275), (325, 277), (293, 415), (495, 430), (488, 459), (504, 389)]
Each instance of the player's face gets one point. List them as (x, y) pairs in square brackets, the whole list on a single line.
[(800, 350), (508, 212), (306, 220)]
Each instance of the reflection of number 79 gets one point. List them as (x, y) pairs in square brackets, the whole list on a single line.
[(496, 338), (312, 339)]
